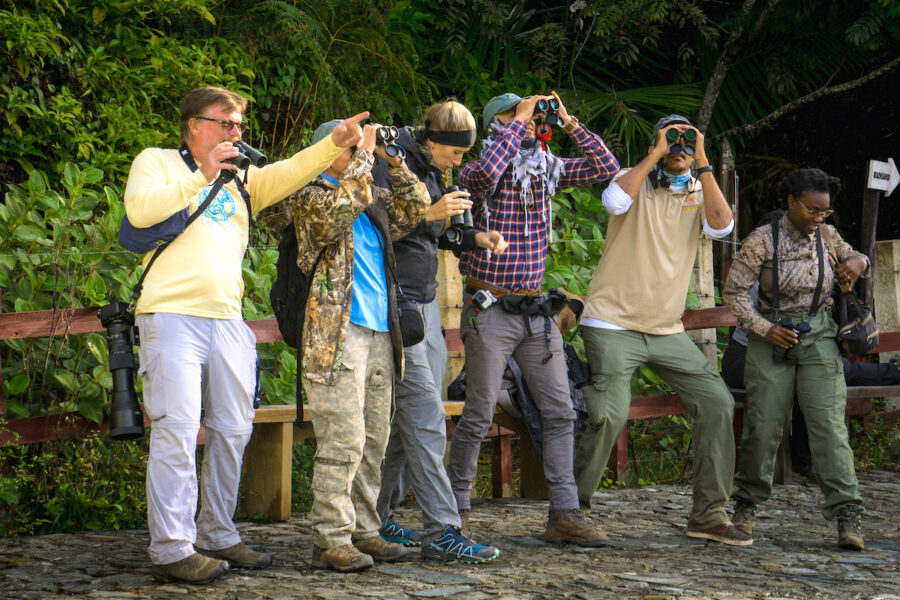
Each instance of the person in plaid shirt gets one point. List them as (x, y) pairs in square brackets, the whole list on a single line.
[(514, 179)]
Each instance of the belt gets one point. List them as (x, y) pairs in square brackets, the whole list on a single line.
[(473, 284)]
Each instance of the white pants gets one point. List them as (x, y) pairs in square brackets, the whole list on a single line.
[(189, 365)]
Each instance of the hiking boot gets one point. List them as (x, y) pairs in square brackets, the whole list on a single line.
[(850, 531), (571, 526), (455, 545), (343, 558), (196, 568), (398, 534), (381, 550), (744, 516), (726, 533), (464, 520), (239, 556)]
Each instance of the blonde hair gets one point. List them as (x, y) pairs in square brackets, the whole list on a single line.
[(449, 115), (196, 101)]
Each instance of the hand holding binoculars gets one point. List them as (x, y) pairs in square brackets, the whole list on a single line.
[(247, 155), (787, 355), (387, 136), (690, 137), (549, 109), (461, 221)]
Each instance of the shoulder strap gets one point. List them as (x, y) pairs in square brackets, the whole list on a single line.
[(775, 294), (814, 305), (188, 159)]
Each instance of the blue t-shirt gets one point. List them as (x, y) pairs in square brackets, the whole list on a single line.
[(369, 307)]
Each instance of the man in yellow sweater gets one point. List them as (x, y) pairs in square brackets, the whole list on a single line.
[(197, 355)]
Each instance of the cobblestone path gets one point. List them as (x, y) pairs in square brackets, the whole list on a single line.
[(794, 556)]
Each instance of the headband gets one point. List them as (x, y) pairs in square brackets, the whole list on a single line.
[(463, 139)]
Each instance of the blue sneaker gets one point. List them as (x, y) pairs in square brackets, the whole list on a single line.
[(397, 534), (455, 545)]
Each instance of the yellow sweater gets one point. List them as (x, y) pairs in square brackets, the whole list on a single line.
[(199, 274)]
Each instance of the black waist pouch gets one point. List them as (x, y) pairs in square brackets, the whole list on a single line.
[(412, 326)]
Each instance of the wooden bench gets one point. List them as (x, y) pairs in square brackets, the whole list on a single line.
[(267, 460)]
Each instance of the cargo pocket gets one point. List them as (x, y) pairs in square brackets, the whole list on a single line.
[(595, 399), (331, 473), (151, 383)]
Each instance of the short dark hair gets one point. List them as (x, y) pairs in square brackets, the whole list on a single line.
[(196, 101), (801, 181)]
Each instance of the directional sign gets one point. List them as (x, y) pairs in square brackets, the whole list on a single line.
[(883, 176)]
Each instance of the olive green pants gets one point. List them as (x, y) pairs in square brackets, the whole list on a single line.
[(613, 356), (818, 378)]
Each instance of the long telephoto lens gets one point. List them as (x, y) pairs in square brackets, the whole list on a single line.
[(126, 422)]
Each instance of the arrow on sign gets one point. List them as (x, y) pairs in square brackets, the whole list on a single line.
[(883, 176)]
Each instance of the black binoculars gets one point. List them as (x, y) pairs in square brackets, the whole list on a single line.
[(787, 355), (247, 155), (689, 135), (387, 136), (460, 222), (549, 108), (126, 421)]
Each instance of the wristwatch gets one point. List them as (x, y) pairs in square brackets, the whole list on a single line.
[(572, 124), (706, 169)]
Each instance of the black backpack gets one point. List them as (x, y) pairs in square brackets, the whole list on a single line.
[(288, 296)]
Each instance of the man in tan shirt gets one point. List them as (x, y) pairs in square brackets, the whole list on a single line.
[(633, 317)]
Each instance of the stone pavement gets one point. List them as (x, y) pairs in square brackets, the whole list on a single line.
[(794, 556)]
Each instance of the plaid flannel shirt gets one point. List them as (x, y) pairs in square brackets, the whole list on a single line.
[(521, 266)]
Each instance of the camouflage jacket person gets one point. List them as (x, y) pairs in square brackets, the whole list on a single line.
[(323, 217)]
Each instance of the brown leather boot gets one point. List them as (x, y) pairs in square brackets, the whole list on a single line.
[(343, 558), (196, 568), (570, 526), (381, 550), (240, 556)]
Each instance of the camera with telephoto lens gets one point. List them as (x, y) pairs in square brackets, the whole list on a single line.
[(689, 135), (787, 355), (247, 155), (549, 108), (126, 421), (387, 136), (460, 222)]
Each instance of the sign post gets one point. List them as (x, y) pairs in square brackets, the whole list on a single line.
[(883, 179)]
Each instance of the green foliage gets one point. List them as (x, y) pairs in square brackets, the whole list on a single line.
[(875, 443), (92, 483)]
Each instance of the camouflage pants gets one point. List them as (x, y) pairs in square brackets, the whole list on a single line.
[(351, 419)]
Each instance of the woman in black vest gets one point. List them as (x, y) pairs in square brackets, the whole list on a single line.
[(415, 451)]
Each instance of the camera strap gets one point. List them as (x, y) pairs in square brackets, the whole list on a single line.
[(188, 159)]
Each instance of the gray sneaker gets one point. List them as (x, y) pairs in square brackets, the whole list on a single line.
[(744, 516), (196, 568)]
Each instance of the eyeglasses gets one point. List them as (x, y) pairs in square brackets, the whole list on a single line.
[(226, 125), (814, 212)]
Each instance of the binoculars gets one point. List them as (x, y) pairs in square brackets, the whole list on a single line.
[(387, 136), (247, 155), (787, 355), (126, 421), (549, 108), (689, 135), (459, 223)]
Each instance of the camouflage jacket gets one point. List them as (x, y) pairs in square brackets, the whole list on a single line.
[(323, 220)]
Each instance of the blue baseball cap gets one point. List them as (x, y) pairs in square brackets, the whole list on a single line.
[(498, 104)]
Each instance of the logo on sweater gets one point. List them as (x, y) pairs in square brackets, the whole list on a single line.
[(221, 209)]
